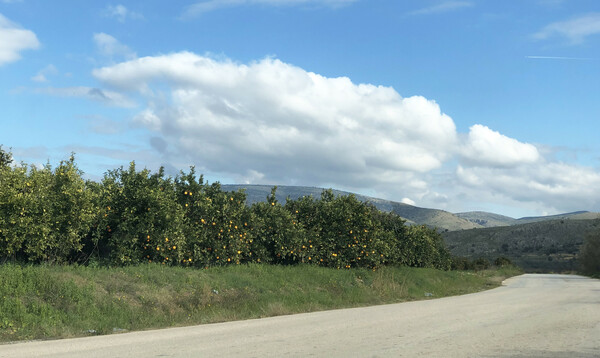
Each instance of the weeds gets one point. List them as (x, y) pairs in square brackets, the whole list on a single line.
[(42, 302)]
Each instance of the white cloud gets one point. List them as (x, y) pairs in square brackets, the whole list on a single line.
[(41, 76), (553, 186), (445, 6), (486, 147), (272, 122), (13, 40), (279, 122), (575, 30), (199, 8), (111, 47), (121, 13), (408, 201), (96, 94)]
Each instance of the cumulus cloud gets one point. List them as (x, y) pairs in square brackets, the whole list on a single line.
[(445, 6), (110, 47), (485, 147), (554, 186), (96, 94), (575, 30), (121, 13), (275, 121), (199, 8), (272, 122), (13, 40)]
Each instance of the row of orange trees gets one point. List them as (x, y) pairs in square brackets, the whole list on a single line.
[(131, 216)]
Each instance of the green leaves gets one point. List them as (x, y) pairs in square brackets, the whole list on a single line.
[(136, 216), (5, 158), (139, 218), (44, 214)]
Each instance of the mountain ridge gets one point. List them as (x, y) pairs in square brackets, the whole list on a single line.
[(437, 218), (537, 244)]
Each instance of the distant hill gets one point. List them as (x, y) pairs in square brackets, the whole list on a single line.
[(486, 219), (440, 219), (538, 244), (577, 215), (541, 246)]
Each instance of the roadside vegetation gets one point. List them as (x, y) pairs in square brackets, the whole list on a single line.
[(546, 246), (60, 301), (141, 250), (589, 255), (53, 215)]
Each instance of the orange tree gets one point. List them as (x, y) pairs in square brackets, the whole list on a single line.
[(65, 207), (278, 235), (139, 219), (6, 158), (43, 213), (216, 223), (394, 233), (16, 201), (340, 231), (425, 247)]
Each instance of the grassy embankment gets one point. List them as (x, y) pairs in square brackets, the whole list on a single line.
[(43, 302)]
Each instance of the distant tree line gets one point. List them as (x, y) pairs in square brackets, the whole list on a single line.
[(132, 216)]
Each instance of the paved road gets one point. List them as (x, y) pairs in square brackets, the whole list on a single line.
[(530, 316)]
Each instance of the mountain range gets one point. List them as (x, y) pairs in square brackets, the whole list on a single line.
[(440, 219), (536, 244)]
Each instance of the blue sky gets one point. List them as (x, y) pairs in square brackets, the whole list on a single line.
[(456, 105)]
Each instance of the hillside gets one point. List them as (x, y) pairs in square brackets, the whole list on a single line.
[(486, 219), (440, 219), (578, 215), (541, 246)]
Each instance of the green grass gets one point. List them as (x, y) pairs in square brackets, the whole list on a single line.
[(47, 302)]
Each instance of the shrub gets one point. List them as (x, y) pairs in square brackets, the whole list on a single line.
[(589, 254), (425, 247), (340, 231), (279, 237), (5, 158), (502, 261), (139, 219), (481, 264), (43, 213), (15, 202), (216, 223), (394, 233), (65, 209), (461, 263), (136, 216)]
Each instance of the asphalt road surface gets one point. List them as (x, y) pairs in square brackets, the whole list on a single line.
[(530, 316)]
